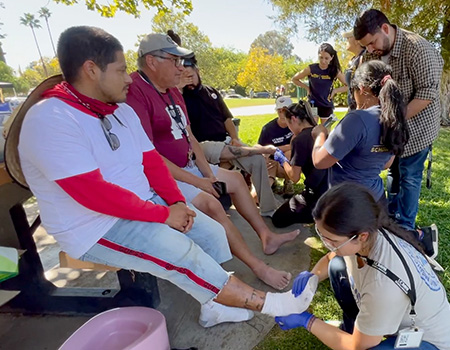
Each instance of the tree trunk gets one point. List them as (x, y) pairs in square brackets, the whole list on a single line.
[(50, 34), (39, 50)]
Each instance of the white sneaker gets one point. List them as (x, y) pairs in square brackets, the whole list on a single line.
[(212, 313), (434, 264)]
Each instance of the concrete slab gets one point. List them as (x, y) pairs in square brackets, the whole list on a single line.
[(181, 311)]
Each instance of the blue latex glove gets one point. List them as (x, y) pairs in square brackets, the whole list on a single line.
[(280, 157), (300, 282), (294, 320)]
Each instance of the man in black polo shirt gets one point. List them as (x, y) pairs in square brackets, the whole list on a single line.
[(212, 126)]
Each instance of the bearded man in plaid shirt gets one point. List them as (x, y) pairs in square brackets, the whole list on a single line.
[(417, 68)]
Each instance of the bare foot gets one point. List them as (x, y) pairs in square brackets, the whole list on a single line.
[(273, 241), (274, 278)]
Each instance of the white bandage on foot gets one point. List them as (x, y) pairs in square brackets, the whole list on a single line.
[(283, 304), (213, 313)]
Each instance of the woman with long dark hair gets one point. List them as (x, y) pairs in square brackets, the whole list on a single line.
[(367, 139), (380, 277), (298, 209), (321, 77)]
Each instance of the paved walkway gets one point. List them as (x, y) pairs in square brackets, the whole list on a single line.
[(22, 332)]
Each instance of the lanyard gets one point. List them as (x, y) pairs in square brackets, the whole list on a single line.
[(174, 113), (409, 291)]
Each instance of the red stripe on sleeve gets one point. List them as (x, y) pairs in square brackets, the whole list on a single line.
[(160, 178), (93, 192)]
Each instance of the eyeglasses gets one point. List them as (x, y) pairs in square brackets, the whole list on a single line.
[(329, 246), (112, 139), (178, 61)]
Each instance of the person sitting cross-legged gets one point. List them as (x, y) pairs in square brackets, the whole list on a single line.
[(277, 133), (160, 106)]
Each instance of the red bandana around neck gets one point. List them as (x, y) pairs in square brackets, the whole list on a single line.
[(67, 93)]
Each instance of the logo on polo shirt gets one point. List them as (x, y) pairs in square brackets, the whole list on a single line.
[(214, 96)]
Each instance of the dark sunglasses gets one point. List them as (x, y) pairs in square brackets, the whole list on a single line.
[(112, 139)]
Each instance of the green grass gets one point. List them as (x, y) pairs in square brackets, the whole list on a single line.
[(434, 206), (244, 102), (251, 126)]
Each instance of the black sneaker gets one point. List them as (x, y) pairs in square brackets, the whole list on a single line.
[(429, 239)]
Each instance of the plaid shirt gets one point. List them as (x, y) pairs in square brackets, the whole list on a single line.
[(417, 68)]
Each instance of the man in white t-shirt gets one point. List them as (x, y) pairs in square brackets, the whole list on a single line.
[(106, 195)]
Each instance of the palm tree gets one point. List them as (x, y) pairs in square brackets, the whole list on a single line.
[(29, 21), (45, 13)]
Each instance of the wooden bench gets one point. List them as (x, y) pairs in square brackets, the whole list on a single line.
[(40, 296)]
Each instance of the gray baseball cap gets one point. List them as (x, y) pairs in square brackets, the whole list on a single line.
[(163, 42)]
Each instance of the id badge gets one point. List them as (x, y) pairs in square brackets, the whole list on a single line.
[(410, 337)]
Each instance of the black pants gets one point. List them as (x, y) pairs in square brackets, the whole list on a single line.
[(296, 210), (324, 112), (338, 276)]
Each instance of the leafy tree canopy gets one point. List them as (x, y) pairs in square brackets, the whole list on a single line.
[(325, 19), (219, 66), (6, 73), (191, 36), (275, 43), (133, 7), (262, 71)]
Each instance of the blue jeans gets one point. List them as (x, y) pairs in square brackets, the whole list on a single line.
[(190, 261), (389, 343), (405, 204), (338, 276)]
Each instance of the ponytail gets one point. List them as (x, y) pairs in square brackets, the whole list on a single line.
[(376, 75), (395, 132)]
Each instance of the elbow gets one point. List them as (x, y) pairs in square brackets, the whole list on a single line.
[(317, 163), (320, 165)]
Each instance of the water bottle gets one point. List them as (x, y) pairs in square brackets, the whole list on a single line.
[(313, 109)]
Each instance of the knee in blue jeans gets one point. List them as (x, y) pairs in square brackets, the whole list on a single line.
[(389, 343), (336, 266)]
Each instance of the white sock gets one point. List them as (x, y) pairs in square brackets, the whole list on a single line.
[(283, 304), (212, 313)]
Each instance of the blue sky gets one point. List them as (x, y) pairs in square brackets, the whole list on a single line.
[(230, 23)]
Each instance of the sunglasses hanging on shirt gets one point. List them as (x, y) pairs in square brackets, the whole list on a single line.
[(176, 116)]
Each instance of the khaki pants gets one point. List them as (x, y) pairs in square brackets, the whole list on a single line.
[(254, 165)]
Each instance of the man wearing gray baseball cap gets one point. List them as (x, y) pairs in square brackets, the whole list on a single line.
[(162, 42), (160, 106)]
